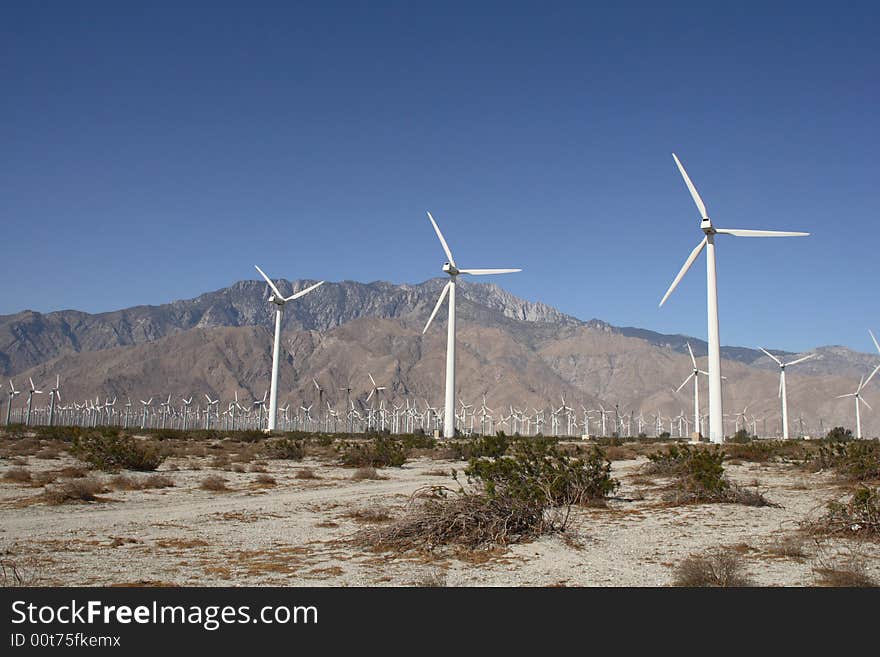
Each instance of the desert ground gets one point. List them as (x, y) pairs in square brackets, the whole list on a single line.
[(291, 523)]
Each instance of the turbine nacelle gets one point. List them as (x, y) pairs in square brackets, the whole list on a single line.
[(452, 270)]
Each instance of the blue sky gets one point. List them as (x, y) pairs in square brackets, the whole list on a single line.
[(154, 151)]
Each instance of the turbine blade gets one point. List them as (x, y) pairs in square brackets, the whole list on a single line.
[(869, 378), (693, 190), (779, 362), (302, 293), (691, 352), (437, 307), (271, 284), (685, 382), (687, 265), (442, 241), (738, 232), (865, 403), (485, 272), (876, 344), (801, 360)]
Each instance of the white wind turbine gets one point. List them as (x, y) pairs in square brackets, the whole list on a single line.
[(695, 375), (33, 391), (279, 300), (716, 413), (449, 289), (12, 394), (783, 394), (858, 398)]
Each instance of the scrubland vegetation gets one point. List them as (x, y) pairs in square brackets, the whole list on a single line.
[(476, 500)]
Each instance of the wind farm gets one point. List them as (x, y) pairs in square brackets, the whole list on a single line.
[(230, 356)]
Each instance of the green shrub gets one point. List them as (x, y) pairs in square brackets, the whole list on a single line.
[(537, 471), (284, 448), (839, 435), (767, 450), (858, 460), (382, 451), (483, 446), (741, 437), (699, 477), (111, 453)]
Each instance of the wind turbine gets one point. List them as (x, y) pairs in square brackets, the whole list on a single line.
[(54, 393), (144, 417), (858, 398), (695, 375), (33, 391), (449, 289), (279, 300), (716, 413), (12, 394), (783, 395)]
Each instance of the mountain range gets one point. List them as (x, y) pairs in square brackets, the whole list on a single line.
[(516, 352)]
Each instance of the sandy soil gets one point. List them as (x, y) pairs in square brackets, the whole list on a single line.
[(296, 532)]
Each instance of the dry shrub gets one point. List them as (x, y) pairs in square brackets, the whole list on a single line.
[(265, 480), (214, 483), (72, 472), (440, 516), (219, 462), (790, 545), (18, 476), (257, 467), (238, 467), (443, 454), (849, 571), (721, 567), (858, 516), (615, 453), (18, 571), (366, 473), (437, 472), (77, 490), (153, 482), (372, 513), (48, 454), (431, 579), (306, 473)]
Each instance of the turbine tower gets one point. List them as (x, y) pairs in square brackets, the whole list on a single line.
[(783, 394), (279, 300), (716, 426), (449, 289)]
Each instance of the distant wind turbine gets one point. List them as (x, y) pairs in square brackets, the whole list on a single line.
[(857, 395), (716, 413), (695, 375), (453, 271), (279, 300), (783, 394)]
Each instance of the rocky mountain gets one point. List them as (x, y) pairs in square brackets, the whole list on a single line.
[(513, 351)]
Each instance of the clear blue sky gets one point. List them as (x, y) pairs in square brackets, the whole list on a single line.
[(154, 151)]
